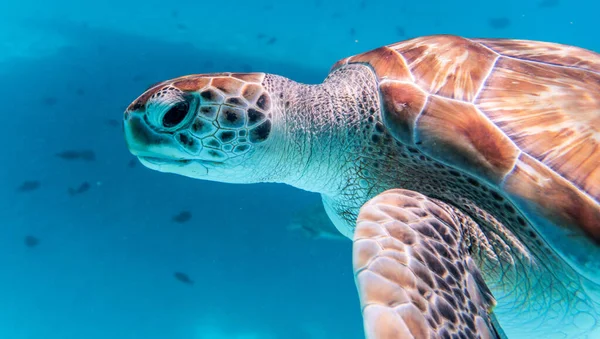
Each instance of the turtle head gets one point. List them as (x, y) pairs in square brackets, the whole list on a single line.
[(211, 126)]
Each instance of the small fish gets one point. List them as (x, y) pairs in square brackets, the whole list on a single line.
[(31, 241), (352, 31), (499, 23), (182, 27), (112, 122), (319, 231), (29, 185), (132, 163), (84, 187), (86, 155), (272, 41), (182, 217), (68, 155), (184, 278), (314, 223)]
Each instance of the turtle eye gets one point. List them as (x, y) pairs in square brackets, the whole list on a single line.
[(176, 114)]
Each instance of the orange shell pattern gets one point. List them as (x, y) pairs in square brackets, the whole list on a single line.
[(522, 115)]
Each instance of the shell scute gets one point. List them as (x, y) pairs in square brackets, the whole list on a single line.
[(542, 192), (386, 63), (404, 102), (249, 77), (551, 113), (189, 84), (544, 52), (449, 66), (445, 131)]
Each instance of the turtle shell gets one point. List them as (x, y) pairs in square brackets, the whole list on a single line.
[(522, 115)]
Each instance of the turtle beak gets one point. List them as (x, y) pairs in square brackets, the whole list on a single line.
[(141, 140), (137, 134), (146, 143)]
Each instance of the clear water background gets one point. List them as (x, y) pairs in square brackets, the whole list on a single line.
[(104, 264)]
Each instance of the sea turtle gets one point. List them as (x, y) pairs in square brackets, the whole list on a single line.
[(467, 172)]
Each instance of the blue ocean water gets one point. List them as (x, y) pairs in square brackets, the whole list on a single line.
[(92, 241)]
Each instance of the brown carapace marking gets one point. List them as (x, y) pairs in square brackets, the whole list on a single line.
[(553, 114), (251, 92), (386, 63), (446, 131), (230, 84), (549, 195), (544, 52), (404, 102), (489, 99), (249, 77), (191, 84), (449, 66)]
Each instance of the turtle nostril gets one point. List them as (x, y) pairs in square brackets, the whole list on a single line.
[(175, 115)]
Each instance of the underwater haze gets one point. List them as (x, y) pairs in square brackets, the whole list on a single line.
[(96, 246)]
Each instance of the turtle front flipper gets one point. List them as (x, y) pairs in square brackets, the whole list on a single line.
[(414, 274)]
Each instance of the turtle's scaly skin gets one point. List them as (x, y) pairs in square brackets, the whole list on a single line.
[(502, 135)]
